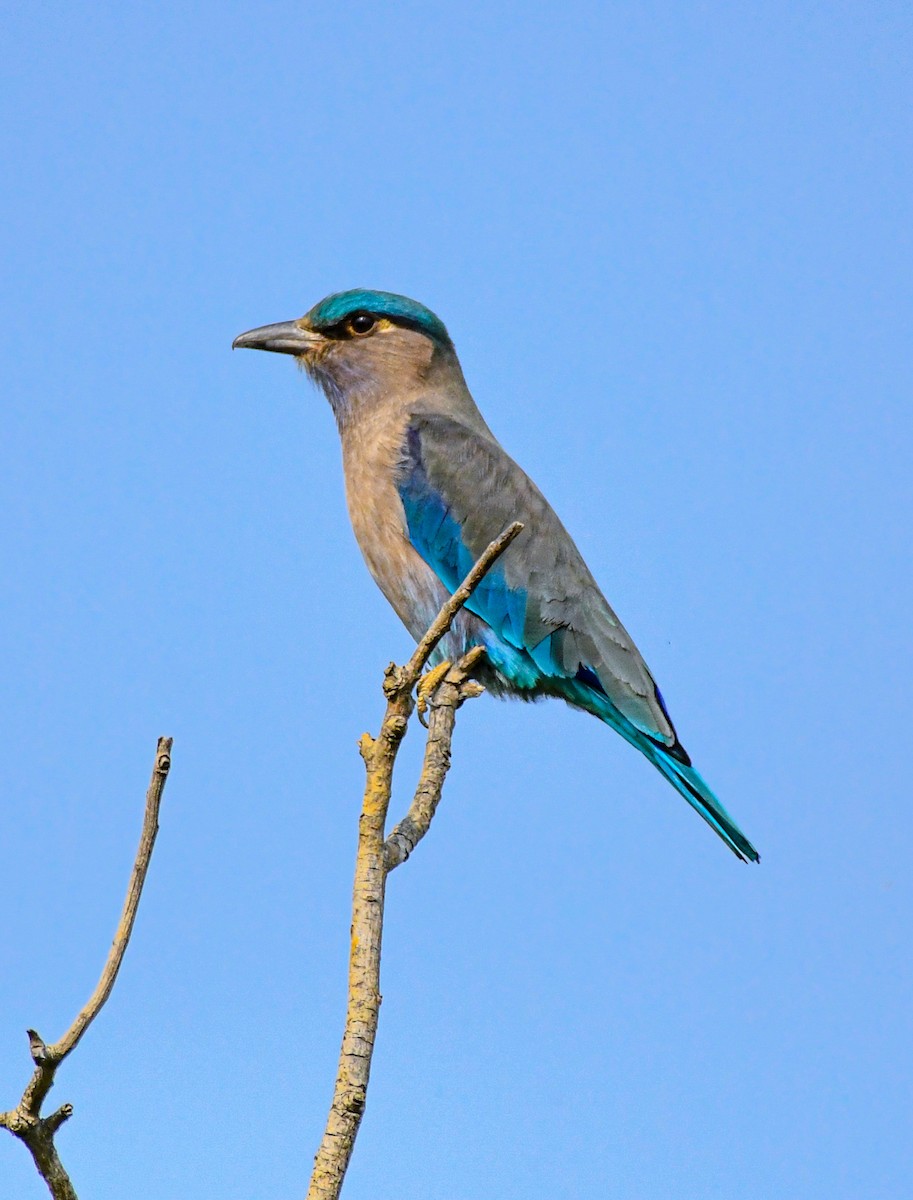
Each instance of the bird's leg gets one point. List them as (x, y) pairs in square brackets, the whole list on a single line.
[(427, 686)]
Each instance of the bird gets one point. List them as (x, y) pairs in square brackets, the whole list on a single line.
[(428, 487)]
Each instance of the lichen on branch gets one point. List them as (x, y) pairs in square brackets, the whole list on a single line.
[(441, 693)]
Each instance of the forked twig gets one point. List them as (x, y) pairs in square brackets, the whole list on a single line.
[(25, 1120), (376, 857)]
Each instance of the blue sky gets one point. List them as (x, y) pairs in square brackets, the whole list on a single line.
[(672, 243)]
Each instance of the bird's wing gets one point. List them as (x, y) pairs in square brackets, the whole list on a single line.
[(460, 490)]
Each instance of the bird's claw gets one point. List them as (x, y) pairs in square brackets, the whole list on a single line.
[(427, 686)]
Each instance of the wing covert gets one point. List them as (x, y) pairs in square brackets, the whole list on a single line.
[(459, 490)]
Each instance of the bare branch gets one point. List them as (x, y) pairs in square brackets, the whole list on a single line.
[(25, 1121), (96, 1001), (56, 1119), (376, 858), (455, 687)]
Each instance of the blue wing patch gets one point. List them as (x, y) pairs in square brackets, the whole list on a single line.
[(550, 666), (436, 534)]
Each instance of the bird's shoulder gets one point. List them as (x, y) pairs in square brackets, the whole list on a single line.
[(471, 470), (461, 479)]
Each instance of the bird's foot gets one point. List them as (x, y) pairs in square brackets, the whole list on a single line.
[(427, 686)]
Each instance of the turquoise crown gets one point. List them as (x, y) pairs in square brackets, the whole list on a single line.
[(334, 309)]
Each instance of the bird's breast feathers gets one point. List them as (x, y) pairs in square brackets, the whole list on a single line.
[(372, 452)]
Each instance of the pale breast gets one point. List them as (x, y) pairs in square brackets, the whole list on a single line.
[(370, 453)]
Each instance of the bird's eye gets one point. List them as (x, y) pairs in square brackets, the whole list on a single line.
[(362, 323)]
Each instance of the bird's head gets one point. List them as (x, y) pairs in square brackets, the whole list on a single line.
[(360, 346)]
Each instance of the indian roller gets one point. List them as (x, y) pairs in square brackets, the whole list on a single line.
[(428, 488)]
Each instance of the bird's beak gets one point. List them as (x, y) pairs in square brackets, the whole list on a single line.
[(287, 337)]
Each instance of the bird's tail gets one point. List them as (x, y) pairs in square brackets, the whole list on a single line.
[(672, 762), (692, 785)]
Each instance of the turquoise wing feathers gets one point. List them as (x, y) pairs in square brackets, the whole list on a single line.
[(548, 628), (459, 491)]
